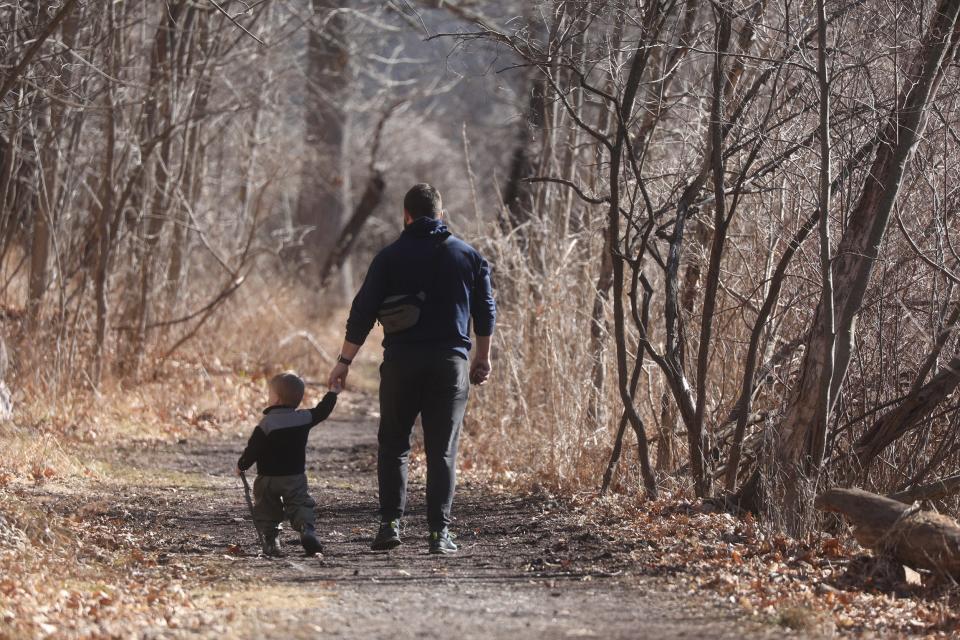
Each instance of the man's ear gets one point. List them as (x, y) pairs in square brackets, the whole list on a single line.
[(407, 218)]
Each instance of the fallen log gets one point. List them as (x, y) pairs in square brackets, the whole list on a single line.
[(918, 539)]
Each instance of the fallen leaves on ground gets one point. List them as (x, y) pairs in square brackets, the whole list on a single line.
[(94, 573), (827, 585)]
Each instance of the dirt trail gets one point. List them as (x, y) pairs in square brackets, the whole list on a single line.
[(525, 569)]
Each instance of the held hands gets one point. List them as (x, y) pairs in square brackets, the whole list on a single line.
[(479, 371), (338, 377)]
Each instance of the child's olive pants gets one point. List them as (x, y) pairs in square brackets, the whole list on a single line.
[(276, 498)]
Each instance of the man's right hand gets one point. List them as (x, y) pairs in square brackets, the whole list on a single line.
[(479, 371), (338, 377)]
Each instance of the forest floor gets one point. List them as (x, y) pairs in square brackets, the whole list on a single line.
[(527, 567)]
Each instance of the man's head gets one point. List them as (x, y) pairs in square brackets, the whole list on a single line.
[(422, 201), (286, 389)]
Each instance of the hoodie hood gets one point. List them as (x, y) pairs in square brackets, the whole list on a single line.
[(425, 228)]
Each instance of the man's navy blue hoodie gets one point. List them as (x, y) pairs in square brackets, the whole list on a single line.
[(454, 276)]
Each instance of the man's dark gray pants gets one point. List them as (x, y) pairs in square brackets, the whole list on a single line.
[(433, 384)]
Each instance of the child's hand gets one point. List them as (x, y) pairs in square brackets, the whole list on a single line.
[(336, 387), (238, 471)]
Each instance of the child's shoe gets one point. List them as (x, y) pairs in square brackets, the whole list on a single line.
[(271, 545), (308, 538)]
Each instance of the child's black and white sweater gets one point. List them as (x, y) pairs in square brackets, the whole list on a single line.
[(278, 445)]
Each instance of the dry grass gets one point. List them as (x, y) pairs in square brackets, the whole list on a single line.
[(216, 379), (531, 424)]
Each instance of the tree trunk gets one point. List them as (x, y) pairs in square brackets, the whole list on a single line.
[(158, 114), (191, 180), (39, 256), (325, 180), (48, 191), (908, 414), (369, 201), (855, 256), (105, 208), (599, 332), (637, 66), (697, 432), (666, 443)]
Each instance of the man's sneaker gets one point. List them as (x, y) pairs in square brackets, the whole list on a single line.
[(271, 545), (388, 537), (442, 542), (311, 544)]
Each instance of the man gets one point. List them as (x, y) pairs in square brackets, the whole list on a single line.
[(424, 288)]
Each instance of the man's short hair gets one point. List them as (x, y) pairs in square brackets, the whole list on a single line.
[(289, 388), (423, 201)]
